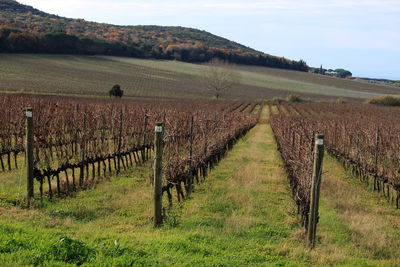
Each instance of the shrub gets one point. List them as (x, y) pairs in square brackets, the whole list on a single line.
[(295, 99), (341, 100), (116, 91), (71, 251), (384, 101)]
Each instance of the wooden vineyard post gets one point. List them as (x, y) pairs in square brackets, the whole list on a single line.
[(82, 150), (205, 166), (190, 185), (315, 190), (376, 158), (29, 156), (159, 145), (119, 142), (144, 154)]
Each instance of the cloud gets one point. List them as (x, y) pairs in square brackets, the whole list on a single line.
[(226, 5)]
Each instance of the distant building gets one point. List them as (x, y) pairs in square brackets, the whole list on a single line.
[(331, 73)]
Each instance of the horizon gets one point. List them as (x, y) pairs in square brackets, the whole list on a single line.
[(360, 37)]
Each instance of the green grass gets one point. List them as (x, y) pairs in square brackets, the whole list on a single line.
[(372, 222), (226, 223), (12, 182), (242, 215), (95, 75)]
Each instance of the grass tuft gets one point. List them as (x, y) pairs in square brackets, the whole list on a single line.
[(384, 101)]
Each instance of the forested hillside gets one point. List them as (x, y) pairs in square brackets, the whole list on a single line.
[(24, 29)]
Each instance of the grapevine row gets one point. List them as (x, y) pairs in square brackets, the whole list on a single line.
[(79, 140), (365, 139)]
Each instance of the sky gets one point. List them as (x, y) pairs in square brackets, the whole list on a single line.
[(362, 36)]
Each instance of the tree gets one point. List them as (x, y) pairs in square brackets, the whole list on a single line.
[(23, 42), (321, 70), (219, 77), (116, 91), (343, 73)]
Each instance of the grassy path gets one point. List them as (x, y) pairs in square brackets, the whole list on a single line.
[(243, 215), (357, 220)]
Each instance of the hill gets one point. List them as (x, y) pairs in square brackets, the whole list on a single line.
[(95, 75), (395, 83), (24, 29)]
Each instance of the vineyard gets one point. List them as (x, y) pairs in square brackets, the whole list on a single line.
[(94, 185), (364, 139), (79, 141)]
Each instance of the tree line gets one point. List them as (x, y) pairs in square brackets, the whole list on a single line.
[(16, 41)]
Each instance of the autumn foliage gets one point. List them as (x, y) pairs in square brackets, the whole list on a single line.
[(28, 30)]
